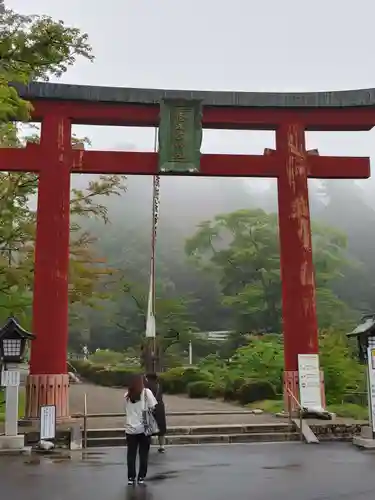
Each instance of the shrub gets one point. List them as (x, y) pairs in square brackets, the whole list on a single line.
[(105, 357), (217, 389), (171, 381), (196, 375), (115, 377), (350, 410), (199, 389), (105, 376), (176, 380), (255, 390), (261, 359), (82, 367), (342, 373), (231, 388)]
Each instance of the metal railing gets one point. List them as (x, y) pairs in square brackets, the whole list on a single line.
[(290, 399), (358, 398), (85, 422)]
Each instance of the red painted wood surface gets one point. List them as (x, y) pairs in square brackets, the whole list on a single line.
[(31, 159), (291, 382), (50, 306), (47, 390), (296, 262), (135, 115)]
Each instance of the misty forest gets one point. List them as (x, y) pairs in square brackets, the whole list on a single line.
[(217, 257)]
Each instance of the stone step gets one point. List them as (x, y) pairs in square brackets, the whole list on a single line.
[(203, 439), (266, 428)]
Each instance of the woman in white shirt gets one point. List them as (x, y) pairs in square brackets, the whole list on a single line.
[(136, 399)]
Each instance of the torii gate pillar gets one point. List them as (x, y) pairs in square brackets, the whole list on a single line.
[(300, 323), (48, 382)]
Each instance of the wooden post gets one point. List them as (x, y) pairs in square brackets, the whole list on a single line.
[(296, 260), (48, 382)]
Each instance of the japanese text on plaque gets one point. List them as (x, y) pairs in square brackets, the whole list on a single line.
[(181, 121)]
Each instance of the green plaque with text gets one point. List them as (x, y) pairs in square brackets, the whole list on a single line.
[(180, 135)]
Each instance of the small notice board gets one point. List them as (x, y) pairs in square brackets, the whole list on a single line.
[(309, 381), (47, 422)]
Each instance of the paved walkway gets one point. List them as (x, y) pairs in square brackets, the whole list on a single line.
[(109, 400), (242, 472)]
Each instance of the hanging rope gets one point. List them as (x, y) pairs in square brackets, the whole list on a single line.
[(155, 220), (150, 322)]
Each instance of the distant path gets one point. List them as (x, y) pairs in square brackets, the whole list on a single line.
[(109, 400)]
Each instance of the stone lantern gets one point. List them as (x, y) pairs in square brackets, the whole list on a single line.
[(364, 333), (13, 340)]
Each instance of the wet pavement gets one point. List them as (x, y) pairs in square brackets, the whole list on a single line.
[(291, 471)]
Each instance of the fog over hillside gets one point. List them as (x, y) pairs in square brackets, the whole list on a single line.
[(185, 202)]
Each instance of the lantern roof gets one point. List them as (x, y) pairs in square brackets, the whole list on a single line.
[(366, 328), (13, 329)]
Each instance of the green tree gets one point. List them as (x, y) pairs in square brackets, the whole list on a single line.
[(262, 358), (127, 318), (242, 250), (171, 314), (342, 373), (32, 48), (17, 233)]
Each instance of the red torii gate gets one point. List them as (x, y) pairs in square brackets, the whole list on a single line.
[(58, 106)]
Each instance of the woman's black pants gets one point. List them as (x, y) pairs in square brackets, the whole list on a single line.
[(138, 443)]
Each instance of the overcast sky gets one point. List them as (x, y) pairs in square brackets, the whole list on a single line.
[(268, 45)]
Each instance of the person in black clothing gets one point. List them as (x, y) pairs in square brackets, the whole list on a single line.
[(153, 383)]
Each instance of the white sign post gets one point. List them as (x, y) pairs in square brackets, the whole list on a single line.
[(371, 386), (309, 382), (10, 379), (47, 422)]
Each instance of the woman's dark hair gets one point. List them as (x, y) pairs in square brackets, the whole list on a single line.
[(135, 389)]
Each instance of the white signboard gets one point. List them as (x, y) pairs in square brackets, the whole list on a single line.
[(309, 381), (47, 422), (371, 383), (10, 378)]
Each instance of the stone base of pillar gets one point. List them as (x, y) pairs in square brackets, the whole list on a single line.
[(12, 445), (47, 390), (291, 382), (366, 440)]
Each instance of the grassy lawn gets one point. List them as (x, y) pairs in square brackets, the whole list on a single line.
[(350, 410), (346, 410), (21, 406)]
